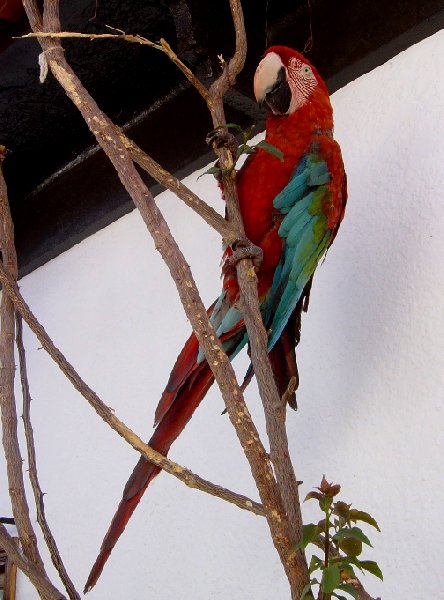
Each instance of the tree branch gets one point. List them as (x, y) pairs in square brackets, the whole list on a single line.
[(227, 230), (33, 475), (274, 409), (36, 576), (11, 446)]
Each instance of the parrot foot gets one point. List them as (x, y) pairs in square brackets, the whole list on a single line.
[(218, 138), (245, 249)]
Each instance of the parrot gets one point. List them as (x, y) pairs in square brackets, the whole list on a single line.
[(291, 207)]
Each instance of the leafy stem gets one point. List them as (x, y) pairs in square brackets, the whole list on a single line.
[(341, 542)]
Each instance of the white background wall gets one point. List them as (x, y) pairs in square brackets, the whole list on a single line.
[(370, 401)]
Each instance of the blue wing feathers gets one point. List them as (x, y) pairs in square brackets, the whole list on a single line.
[(306, 233), (306, 236)]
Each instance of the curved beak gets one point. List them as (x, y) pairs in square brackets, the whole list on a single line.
[(269, 73)]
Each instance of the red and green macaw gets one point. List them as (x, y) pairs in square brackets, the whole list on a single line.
[(292, 210)]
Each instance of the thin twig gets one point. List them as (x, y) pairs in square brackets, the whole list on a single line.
[(162, 45), (182, 473), (11, 446), (33, 474), (36, 576)]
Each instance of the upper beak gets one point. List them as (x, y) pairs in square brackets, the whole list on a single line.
[(269, 73)]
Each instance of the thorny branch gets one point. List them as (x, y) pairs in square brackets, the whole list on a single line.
[(11, 446), (33, 474)]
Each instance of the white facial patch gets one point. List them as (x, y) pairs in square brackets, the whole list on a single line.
[(266, 74), (302, 82)]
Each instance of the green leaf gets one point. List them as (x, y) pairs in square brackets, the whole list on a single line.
[(271, 149), (349, 589), (309, 533), (338, 596), (372, 567), (234, 126), (350, 546), (314, 563), (352, 533), (360, 515), (211, 171), (306, 592), (244, 149), (331, 578)]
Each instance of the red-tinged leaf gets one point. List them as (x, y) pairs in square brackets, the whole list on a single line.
[(372, 567), (335, 488), (342, 509), (331, 578), (313, 496), (324, 485), (351, 533), (360, 515)]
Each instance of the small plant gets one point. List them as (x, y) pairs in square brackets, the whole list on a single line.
[(341, 542)]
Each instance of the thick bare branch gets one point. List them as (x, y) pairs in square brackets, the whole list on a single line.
[(249, 306), (33, 474), (11, 446), (36, 576)]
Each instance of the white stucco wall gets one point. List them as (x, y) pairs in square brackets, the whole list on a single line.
[(371, 396)]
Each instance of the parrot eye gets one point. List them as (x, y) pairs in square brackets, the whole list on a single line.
[(306, 70)]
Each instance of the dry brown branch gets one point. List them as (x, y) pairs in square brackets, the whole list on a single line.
[(162, 45), (227, 230), (10, 577), (274, 409), (362, 593), (183, 474), (224, 374), (11, 446), (36, 576), (33, 474)]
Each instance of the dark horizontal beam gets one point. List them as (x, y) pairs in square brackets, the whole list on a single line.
[(58, 201)]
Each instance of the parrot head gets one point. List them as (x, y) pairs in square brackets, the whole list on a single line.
[(285, 80)]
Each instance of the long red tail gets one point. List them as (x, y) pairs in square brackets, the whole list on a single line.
[(189, 382)]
